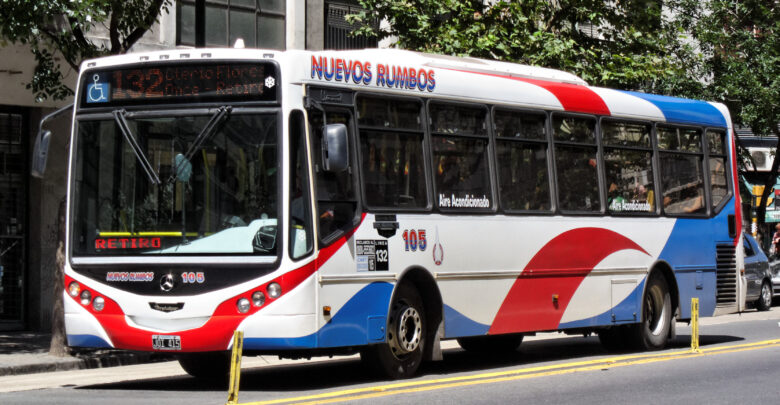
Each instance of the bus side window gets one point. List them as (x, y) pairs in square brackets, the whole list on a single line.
[(719, 188), (628, 164), (521, 161), (459, 143), (335, 192), (576, 163), (391, 145), (682, 169)]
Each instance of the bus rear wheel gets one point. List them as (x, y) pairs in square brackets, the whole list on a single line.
[(653, 332), (401, 355), (491, 343), (214, 366)]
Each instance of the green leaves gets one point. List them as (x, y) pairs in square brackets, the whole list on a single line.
[(57, 30), (617, 45)]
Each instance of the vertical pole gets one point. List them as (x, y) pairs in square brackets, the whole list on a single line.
[(235, 366), (695, 326), (200, 23)]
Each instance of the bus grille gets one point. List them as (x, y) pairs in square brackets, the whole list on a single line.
[(727, 275)]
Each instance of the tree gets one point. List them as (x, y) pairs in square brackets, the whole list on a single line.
[(626, 45), (740, 52), (60, 29)]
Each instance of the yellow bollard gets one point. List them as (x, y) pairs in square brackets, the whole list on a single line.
[(235, 367), (695, 326)]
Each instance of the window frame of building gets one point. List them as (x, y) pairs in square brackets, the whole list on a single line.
[(231, 9)]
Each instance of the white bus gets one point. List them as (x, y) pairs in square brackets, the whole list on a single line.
[(381, 201)]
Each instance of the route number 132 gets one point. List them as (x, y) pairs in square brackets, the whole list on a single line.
[(414, 239)]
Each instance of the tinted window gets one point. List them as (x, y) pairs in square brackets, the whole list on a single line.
[(521, 152), (574, 129), (392, 159), (388, 113), (628, 164), (576, 163), (460, 161), (717, 166)]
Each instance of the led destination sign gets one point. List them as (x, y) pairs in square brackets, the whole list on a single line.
[(180, 83)]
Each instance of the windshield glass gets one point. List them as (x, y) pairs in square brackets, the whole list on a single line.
[(212, 188)]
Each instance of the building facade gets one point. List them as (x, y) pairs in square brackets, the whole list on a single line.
[(30, 208)]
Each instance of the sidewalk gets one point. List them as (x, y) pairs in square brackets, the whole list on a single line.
[(28, 352)]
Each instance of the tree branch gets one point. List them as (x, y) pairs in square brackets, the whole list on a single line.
[(113, 28), (56, 40), (151, 17)]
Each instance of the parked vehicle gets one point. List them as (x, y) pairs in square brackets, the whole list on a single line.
[(758, 275)]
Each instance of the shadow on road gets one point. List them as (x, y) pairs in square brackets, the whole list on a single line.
[(341, 373)]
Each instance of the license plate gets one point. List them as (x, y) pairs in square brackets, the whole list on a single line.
[(166, 342)]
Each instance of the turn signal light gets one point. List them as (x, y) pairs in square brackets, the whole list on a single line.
[(86, 297), (74, 289)]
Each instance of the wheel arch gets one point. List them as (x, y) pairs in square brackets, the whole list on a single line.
[(665, 270), (422, 280)]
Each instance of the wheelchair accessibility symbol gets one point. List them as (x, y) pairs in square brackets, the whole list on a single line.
[(97, 92)]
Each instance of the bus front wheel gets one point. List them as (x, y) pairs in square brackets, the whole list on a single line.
[(401, 355), (653, 332)]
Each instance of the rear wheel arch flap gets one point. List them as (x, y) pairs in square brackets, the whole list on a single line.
[(422, 280)]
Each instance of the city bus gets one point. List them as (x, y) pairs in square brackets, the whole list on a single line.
[(381, 201)]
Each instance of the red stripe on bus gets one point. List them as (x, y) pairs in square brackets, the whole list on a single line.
[(573, 97), (556, 270)]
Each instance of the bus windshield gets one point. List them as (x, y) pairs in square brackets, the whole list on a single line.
[(172, 185)]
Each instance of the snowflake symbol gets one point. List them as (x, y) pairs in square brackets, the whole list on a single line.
[(270, 82)]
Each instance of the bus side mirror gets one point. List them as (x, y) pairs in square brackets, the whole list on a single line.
[(40, 153), (335, 148)]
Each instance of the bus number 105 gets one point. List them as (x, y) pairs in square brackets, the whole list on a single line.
[(414, 239)]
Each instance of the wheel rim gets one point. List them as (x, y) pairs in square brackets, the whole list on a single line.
[(408, 331), (654, 311), (766, 294)]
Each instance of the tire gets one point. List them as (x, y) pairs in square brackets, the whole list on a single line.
[(212, 366), (401, 355), (653, 332), (491, 344), (614, 339), (764, 301)]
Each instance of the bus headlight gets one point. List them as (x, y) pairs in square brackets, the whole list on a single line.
[(243, 305), (258, 298), (98, 304), (274, 290), (73, 289), (86, 297)]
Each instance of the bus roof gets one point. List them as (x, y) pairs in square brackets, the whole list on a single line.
[(463, 78)]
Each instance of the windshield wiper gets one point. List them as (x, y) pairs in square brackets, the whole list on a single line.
[(121, 122), (219, 116)]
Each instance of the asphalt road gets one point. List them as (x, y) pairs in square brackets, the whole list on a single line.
[(739, 363)]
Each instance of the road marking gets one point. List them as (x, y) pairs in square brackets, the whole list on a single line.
[(511, 375)]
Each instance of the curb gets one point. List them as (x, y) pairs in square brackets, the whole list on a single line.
[(80, 362)]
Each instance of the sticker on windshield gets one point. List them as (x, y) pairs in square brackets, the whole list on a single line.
[(372, 255)]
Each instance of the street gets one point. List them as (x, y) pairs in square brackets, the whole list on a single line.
[(740, 362)]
